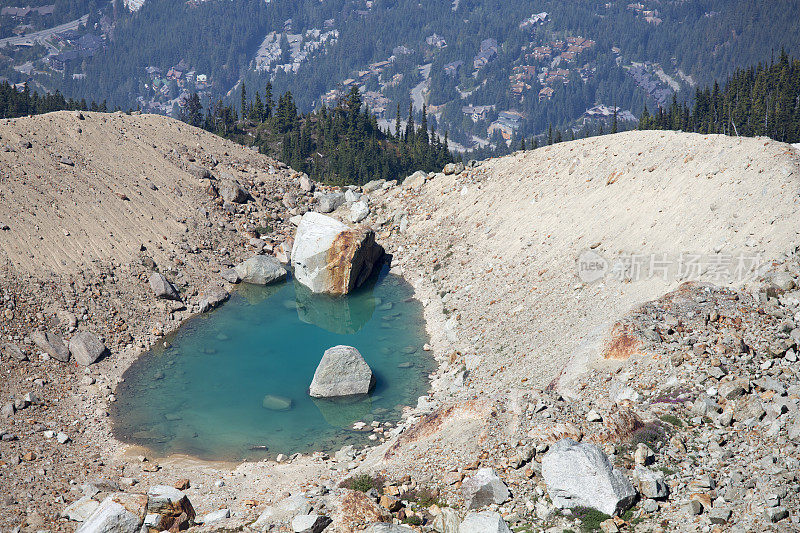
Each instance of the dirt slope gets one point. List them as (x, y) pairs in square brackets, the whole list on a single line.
[(63, 217), (500, 242)]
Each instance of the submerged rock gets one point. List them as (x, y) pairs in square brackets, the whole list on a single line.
[(213, 298), (261, 270), (276, 403), (580, 475), (341, 372), (329, 257)]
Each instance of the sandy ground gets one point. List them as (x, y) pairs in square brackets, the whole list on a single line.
[(500, 244)]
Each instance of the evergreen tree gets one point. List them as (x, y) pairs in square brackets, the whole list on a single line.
[(269, 103), (243, 106)]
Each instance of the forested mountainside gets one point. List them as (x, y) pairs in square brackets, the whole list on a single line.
[(489, 71), (760, 100), (338, 145)]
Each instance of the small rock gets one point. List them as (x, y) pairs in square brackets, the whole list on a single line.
[(162, 288), (86, 348), (483, 489), (310, 523)]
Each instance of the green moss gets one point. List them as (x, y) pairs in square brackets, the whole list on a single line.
[(590, 518), (672, 419), (363, 483), (412, 520)]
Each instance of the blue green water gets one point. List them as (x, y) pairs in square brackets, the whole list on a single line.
[(220, 387)]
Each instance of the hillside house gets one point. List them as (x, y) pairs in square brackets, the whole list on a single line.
[(478, 112), (451, 69), (437, 41)]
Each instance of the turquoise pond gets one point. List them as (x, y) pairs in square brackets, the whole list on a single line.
[(219, 388)]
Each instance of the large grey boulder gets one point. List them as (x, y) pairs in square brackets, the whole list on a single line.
[(484, 522), (484, 488), (261, 270), (51, 344), (329, 257), (86, 347), (330, 202), (118, 513), (415, 180), (231, 191), (372, 186), (162, 288), (651, 483), (580, 475), (341, 372)]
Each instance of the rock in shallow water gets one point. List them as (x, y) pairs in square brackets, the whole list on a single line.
[(261, 270), (329, 257), (341, 372), (276, 403)]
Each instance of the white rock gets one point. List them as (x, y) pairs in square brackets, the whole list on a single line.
[(341, 372), (580, 475), (118, 513), (81, 510), (484, 488), (484, 522), (216, 516), (329, 257), (359, 211), (282, 511)]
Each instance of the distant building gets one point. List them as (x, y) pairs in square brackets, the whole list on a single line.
[(538, 18), (436, 41), (546, 93), (478, 112), (16, 12), (451, 69)]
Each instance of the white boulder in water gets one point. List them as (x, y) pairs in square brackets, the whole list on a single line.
[(261, 270), (341, 372), (330, 257)]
